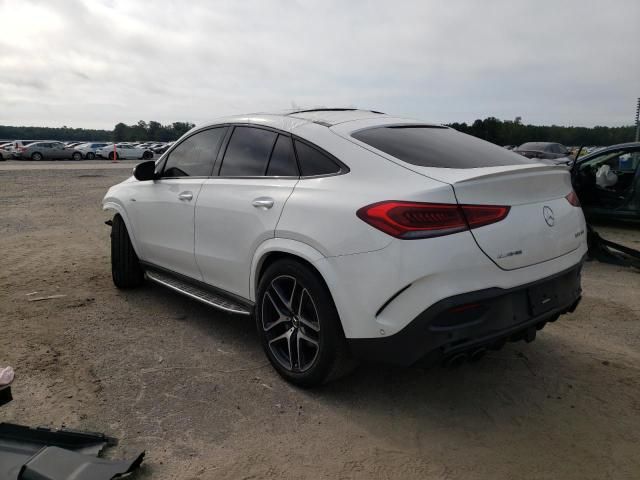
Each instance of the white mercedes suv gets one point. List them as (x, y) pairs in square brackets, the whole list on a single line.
[(352, 234)]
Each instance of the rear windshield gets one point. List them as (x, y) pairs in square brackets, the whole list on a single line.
[(443, 147)]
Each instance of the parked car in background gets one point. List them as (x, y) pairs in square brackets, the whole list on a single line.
[(88, 150), (555, 152), (18, 145), (162, 148), (44, 151), (5, 151), (608, 182), (353, 233), (124, 151)]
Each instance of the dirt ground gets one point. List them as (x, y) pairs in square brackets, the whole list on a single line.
[(191, 386)]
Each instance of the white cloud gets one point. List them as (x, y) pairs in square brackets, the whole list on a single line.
[(95, 63)]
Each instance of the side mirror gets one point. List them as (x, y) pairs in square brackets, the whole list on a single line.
[(145, 171)]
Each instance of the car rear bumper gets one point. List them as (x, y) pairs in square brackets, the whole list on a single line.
[(474, 321)]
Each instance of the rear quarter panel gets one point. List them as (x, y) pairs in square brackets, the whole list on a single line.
[(321, 212)]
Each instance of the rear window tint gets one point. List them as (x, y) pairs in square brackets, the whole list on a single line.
[(313, 162), (441, 147)]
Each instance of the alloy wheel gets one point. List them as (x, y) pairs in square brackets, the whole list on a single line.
[(291, 323)]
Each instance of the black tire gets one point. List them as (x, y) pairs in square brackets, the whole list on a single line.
[(147, 155), (2, 159), (77, 156), (90, 156), (331, 359), (36, 156), (111, 156), (125, 266)]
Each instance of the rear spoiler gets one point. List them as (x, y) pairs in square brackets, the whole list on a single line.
[(501, 172)]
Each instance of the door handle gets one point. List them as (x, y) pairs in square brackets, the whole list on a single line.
[(188, 196), (263, 202)]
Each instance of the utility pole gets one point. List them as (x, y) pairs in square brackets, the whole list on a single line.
[(638, 121)]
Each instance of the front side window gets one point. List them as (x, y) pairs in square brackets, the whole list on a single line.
[(248, 152), (195, 156), (313, 162)]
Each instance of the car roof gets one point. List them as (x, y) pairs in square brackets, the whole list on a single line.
[(610, 148), (538, 144), (622, 145), (328, 117)]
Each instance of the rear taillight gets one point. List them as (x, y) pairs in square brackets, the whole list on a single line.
[(410, 220), (480, 215), (573, 199)]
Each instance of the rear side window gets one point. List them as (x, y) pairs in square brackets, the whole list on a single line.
[(557, 148), (313, 162), (283, 160), (248, 152), (427, 146), (195, 156)]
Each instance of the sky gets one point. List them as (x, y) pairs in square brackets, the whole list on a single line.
[(94, 63)]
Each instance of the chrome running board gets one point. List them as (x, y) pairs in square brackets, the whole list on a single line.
[(197, 293)]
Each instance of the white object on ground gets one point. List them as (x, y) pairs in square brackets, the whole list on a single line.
[(37, 299), (6, 376)]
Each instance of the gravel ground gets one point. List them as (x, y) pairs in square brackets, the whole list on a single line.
[(191, 386)]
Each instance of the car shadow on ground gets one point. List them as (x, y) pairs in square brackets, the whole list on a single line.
[(517, 380), (524, 398)]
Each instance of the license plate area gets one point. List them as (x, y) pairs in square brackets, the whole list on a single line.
[(543, 298)]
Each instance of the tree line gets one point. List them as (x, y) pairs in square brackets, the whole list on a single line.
[(141, 131), (502, 132), (514, 132)]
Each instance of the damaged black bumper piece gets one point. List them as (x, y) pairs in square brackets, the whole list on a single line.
[(44, 454), (56, 463), (5, 395), (465, 326)]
